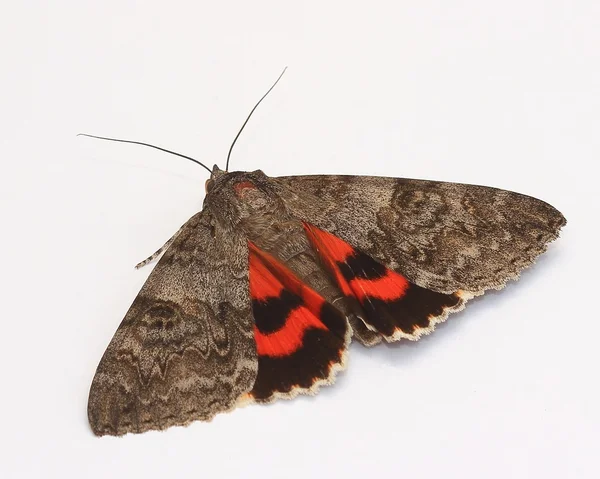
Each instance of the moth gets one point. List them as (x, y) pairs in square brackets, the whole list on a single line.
[(258, 296)]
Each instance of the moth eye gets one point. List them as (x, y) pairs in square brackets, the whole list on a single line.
[(208, 185)]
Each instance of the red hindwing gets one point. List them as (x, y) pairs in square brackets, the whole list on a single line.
[(392, 305)]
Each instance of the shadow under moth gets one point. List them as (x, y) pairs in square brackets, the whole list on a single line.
[(258, 296)]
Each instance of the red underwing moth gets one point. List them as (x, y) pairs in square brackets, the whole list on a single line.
[(258, 295)]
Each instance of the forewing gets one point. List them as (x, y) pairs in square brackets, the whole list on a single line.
[(441, 236), (185, 350)]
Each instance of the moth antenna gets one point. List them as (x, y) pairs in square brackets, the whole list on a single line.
[(147, 144), (252, 111)]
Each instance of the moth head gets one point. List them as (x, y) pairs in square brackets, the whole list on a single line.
[(214, 175), (241, 196)]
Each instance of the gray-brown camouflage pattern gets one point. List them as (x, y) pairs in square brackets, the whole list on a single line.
[(185, 350), (442, 236)]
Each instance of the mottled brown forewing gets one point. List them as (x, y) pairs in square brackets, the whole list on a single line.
[(185, 350), (442, 236)]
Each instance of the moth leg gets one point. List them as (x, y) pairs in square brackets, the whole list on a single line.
[(158, 252)]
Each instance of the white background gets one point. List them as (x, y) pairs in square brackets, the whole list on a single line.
[(496, 93)]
